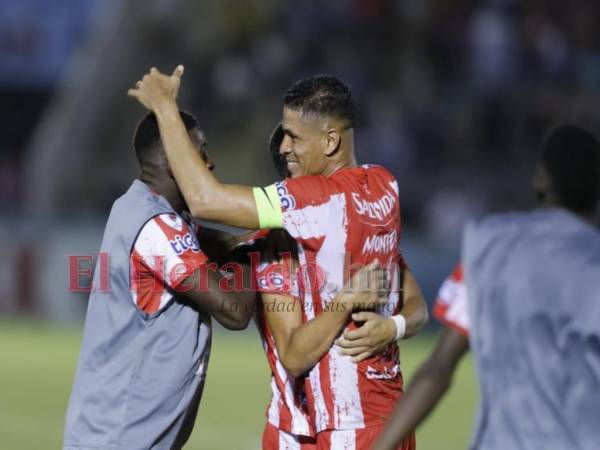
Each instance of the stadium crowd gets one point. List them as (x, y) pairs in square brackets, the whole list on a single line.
[(444, 89)]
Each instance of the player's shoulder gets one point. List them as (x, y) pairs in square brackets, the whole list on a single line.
[(305, 191), (167, 224), (377, 175), (364, 174), (377, 169), (168, 229), (497, 222), (306, 182)]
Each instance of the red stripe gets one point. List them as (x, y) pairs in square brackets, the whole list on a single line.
[(324, 440), (270, 438), (457, 273), (147, 287), (169, 231)]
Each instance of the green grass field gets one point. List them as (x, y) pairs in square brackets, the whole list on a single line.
[(38, 363)]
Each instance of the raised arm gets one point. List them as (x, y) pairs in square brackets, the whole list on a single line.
[(426, 389), (206, 196), (301, 345)]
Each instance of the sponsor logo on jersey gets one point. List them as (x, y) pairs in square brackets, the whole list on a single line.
[(388, 373), (380, 243), (187, 242), (376, 211), (287, 200), (271, 280)]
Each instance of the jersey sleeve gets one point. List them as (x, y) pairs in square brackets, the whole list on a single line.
[(274, 267), (277, 277), (451, 307), (164, 254)]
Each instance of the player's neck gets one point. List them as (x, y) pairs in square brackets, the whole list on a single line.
[(330, 170), (168, 190), (344, 159)]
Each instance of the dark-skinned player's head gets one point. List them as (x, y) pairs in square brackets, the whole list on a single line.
[(151, 157), (568, 173), (318, 122)]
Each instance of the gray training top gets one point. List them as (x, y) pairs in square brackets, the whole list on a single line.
[(534, 293), (140, 376)]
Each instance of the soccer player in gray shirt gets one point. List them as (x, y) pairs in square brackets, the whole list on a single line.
[(146, 339), (532, 293)]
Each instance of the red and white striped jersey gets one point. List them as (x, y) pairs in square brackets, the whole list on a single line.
[(342, 222), (276, 273), (452, 307), (164, 254)]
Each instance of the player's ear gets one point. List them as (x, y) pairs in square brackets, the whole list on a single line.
[(332, 141)]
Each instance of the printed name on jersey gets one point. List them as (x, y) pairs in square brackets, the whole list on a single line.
[(287, 200), (377, 211), (172, 221), (380, 243), (385, 374), (181, 244)]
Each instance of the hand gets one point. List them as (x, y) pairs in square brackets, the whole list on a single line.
[(368, 340), (367, 288), (155, 88)]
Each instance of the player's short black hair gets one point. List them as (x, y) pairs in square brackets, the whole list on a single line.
[(322, 95), (146, 138), (571, 156)]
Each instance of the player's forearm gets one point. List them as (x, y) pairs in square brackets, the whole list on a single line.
[(218, 245), (428, 386), (237, 305), (414, 308), (416, 316), (425, 391), (309, 342), (235, 311), (229, 300)]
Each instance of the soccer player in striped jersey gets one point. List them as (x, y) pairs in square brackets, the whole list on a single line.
[(289, 425), (275, 263), (341, 215)]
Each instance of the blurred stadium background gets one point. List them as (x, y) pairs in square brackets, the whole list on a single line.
[(452, 97)]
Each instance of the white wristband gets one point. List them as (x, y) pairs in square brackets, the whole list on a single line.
[(400, 322)]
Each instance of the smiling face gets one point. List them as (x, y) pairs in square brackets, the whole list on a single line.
[(305, 144)]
